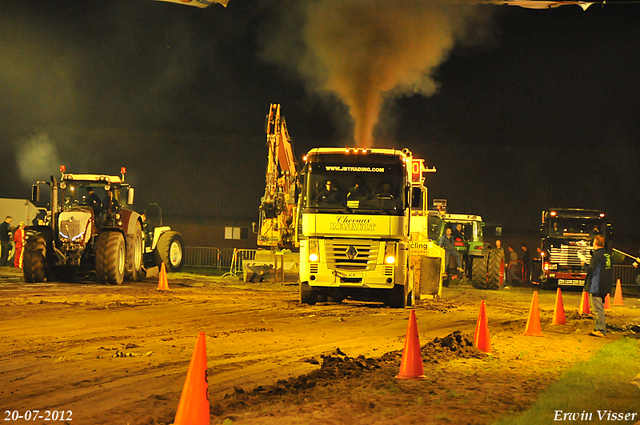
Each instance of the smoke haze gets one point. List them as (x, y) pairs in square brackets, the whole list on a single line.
[(37, 158), (367, 50)]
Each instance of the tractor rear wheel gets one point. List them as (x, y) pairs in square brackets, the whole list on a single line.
[(496, 264), (110, 258), (479, 272), (170, 251), (134, 256), (34, 263)]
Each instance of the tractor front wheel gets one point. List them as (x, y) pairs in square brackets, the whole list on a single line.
[(34, 263), (170, 251), (110, 258)]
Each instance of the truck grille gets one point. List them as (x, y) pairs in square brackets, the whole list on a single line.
[(352, 254), (568, 255)]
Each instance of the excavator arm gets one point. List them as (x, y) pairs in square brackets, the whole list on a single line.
[(278, 205)]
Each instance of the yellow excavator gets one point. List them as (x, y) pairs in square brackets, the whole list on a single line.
[(278, 208)]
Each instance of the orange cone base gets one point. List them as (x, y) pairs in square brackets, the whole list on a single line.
[(163, 285), (411, 365), (533, 323), (584, 304), (559, 318), (617, 298), (410, 377), (482, 339), (194, 407)]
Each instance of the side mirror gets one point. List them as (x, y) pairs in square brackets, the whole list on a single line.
[(130, 196), (498, 230), (35, 193)]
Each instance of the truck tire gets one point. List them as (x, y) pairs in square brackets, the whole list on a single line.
[(308, 295), (110, 258), (34, 263), (496, 263), (479, 272), (170, 251), (134, 256), (549, 284), (397, 298)]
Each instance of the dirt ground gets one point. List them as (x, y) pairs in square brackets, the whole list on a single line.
[(119, 354)]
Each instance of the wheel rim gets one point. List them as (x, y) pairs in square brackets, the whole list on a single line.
[(120, 259), (137, 253), (175, 254)]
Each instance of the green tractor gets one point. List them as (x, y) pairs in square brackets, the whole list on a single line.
[(481, 265)]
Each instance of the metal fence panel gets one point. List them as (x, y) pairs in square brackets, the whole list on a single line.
[(202, 256), (626, 274)]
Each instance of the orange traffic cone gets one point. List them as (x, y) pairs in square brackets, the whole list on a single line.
[(607, 302), (617, 298), (411, 364), (533, 323), (163, 285), (193, 408), (482, 339), (584, 304), (559, 317)]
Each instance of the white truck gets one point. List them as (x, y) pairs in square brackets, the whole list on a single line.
[(354, 225), (20, 210)]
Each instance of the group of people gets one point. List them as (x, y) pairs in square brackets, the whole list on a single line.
[(7, 233), (358, 192), (517, 269)]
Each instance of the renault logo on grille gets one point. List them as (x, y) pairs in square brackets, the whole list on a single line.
[(352, 252)]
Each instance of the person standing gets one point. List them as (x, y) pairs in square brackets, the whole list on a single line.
[(499, 251), (18, 239), (598, 283), (446, 242), (512, 272), (5, 241), (526, 265)]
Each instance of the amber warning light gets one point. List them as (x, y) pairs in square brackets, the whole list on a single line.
[(63, 168)]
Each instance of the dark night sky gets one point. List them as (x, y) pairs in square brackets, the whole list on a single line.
[(542, 112)]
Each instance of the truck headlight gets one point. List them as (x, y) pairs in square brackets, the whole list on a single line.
[(390, 253), (314, 253)]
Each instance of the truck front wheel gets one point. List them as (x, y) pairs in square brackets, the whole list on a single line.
[(34, 263), (308, 295), (397, 297), (549, 284), (110, 258)]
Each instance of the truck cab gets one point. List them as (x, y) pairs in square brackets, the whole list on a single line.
[(566, 242)]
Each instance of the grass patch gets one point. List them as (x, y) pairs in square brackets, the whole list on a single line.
[(599, 384)]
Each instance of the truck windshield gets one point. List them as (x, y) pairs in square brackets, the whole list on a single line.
[(575, 228), (349, 184)]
